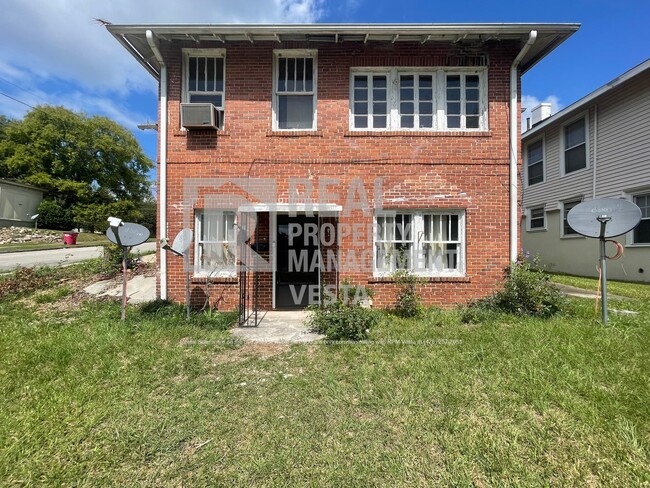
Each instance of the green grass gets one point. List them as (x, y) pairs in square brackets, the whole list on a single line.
[(639, 291), (157, 401)]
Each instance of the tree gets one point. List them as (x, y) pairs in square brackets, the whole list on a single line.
[(78, 159)]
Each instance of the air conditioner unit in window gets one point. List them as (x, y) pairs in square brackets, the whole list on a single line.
[(201, 116)]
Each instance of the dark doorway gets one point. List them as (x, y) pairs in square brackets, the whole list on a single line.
[(298, 265)]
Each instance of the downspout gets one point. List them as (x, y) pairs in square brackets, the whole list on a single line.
[(593, 194), (162, 190), (514, 144)]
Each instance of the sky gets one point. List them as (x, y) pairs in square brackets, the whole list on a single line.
[(54, 52)]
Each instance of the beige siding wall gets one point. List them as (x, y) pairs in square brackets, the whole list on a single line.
[(620, 148), (579, 255)]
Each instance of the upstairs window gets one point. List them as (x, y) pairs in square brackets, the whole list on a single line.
[(535, 162), (641, 233), (425, 100), (295, 90), (205, 74), (575, 146)]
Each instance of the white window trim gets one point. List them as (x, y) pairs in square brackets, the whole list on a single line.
[(439, 97), (226, 273), (529, 213), (561, 205), (214, 53), (535, 141), (629, 237), (417, 233), (294, 53), (584, 115)]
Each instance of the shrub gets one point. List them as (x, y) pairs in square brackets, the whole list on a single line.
[(94, 216), (340, 321), (52, 215), (527, 290), (408, 302)]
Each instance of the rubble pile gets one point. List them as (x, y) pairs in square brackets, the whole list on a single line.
[(17, 235)]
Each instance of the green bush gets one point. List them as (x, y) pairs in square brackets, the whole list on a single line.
[(340, 321), (94, 216), (526, 290), (408, 302), (52, 215)]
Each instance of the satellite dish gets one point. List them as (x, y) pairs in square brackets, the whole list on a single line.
[(623, 216), (129, 234), (182, 241)]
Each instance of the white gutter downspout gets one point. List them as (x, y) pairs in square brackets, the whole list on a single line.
[(162, 190), (514, 140), (593, 192)]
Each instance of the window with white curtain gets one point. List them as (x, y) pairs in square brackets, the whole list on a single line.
[(215, 244)]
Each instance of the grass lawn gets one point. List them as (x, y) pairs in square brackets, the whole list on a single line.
[(640, 291), (88, 400), (83, 239)]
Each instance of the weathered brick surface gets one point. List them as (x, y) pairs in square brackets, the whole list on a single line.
[(420, 171)]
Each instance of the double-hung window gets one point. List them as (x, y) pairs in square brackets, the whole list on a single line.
[(294, 100), (567, 230), (536, 219), (205, 73), (575, 145), (641, 234), (427, 242), (215, 243), (423, 100), (535, 162)]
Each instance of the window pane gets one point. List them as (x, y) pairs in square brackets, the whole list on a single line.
[(210, 74), (309, 74), (426, 94), (406, 108), (360, 121), (300, 72), (406, 94), (360, 81), (295, 112), (360, 108), (642, 232), (379, 108), (472, 108), (535, 173), (360, 95), (406, 81), (219, 75), (454, 227), (453, 122), (568, 230), (216, 100), (574, 134), (471, 122), (282, 73), (643, 202), (575, 159), (453, 94), (200, 74), (471, 81), (535, 152), (425, 81), (379, 82), (453, 81), (426, 121), (379, 95), (426, 108), (407, 121), (192, 74), (453, 108), (471, 95), (379, 121)]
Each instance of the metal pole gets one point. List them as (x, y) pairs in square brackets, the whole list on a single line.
[(186, 260), (124, 259), (603, 279)]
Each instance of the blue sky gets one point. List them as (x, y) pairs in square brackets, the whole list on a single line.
[(54, 52)]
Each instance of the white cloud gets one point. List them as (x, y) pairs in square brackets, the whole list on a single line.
[(60, 40), (529, 102)]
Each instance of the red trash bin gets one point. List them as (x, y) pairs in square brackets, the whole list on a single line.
[(70, 238)]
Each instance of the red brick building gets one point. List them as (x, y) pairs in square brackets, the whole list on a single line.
[(339, 154)]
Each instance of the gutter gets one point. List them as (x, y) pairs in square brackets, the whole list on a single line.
[(514, 144), (162, 190)]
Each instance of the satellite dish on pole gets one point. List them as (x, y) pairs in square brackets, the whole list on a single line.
[(602, 218), (129, 234), (623, 214), (181, 247)]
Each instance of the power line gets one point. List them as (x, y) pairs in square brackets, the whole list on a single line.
[(23, 88), (16, 100)]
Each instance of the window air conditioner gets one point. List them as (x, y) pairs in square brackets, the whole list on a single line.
[(201, 116)]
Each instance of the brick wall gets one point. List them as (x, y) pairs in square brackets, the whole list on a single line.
[(420, 171)]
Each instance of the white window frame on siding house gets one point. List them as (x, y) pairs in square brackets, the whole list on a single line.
[(403, 101), (563, 172), (224, 237), (279, 91), (429, 251), (530, 163), (532, 213), (190, 55), (634, 197), (563, 215)]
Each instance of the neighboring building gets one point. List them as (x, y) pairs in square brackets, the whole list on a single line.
[(392, 143), (597, 147), (18, 203)]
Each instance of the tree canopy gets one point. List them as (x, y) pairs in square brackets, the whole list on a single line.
[(78, 159)]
